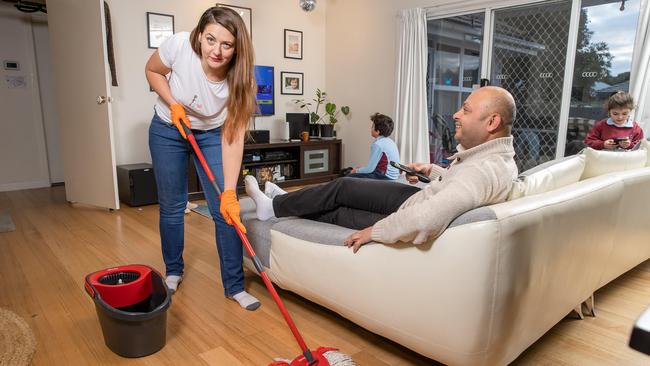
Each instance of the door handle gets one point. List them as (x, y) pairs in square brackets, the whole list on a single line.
[(103, 99)]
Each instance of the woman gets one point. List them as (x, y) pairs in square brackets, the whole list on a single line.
[(205, 80)]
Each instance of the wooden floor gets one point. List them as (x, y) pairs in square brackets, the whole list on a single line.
[(43, 264)]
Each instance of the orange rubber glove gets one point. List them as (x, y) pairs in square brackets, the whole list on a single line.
[(178, 114), (230, 209)]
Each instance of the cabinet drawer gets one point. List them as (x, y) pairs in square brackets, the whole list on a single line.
[(316, 161)]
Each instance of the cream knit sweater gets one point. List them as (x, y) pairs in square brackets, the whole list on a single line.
[(480, 176)]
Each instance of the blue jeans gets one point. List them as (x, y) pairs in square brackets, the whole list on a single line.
[(373, 175), (170, 156)]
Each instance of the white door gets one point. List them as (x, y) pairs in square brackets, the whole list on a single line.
[(77, 38)]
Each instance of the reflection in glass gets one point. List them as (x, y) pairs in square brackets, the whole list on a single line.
[(447, 60), (472, 63), (602, 66), (453, 70)]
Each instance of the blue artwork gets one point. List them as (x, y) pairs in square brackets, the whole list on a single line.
[(265, 93)]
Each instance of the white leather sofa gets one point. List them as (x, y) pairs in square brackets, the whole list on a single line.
[(496, 280)]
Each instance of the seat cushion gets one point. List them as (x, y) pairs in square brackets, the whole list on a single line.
[(548, 176), (599, 162)]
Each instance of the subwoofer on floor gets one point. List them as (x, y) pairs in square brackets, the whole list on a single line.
[(137, 184)]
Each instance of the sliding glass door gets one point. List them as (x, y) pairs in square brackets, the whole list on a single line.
[(531, 50), (454, 66), (603, 60)]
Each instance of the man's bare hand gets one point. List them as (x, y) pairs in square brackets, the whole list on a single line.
[(424, 168), (356, 240)]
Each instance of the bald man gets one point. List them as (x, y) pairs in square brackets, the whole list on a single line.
[(481, 173)]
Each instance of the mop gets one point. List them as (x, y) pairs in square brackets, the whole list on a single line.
[(322, 356)]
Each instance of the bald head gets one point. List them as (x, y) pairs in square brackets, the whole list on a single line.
[(498, 100)]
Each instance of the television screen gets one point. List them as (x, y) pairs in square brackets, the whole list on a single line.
[(265, 92)]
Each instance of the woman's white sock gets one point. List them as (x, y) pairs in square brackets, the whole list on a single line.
[(264, 204), (271, 190), (173, 281), (247, 301)]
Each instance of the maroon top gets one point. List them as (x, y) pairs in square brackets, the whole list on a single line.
[(602, 131)]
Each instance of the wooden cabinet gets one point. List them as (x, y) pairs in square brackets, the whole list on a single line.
[(285, 163)]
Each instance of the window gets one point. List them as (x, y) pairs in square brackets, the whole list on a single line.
[(603, 61), (453, 69)]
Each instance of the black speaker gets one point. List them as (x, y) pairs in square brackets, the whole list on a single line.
[(137, 184), (258, 137), (298, 122)]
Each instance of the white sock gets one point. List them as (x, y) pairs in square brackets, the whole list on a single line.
[(247, 301), (271, 190), (264, 204), (173, 281)]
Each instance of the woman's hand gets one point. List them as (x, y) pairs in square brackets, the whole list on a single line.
[(356, 240), (230, 209), (177, 112)]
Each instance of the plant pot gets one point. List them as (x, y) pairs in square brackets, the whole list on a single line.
[(326, 130), (314, 130)]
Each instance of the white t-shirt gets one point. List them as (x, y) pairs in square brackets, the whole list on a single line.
[(204, 100)]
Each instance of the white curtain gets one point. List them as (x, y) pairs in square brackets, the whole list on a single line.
[(411, 120), (640, 82)]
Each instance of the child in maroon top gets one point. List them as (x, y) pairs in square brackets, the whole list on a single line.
[(618, 131)]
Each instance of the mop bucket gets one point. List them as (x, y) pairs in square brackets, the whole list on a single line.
[(131, 303)]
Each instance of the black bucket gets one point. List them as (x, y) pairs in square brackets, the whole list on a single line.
[(131, 303)]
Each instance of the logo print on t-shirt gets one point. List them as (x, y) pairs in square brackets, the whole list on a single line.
[(193, 103)]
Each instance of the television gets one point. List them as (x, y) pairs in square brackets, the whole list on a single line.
[(265, 90)]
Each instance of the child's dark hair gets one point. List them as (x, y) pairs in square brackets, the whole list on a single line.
[(620, 99), (382, 123)]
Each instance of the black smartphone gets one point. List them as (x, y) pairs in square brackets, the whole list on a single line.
[(421, 177), (618, 140)]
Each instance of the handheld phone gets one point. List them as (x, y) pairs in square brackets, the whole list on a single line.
[(618, 140), (421, 177)]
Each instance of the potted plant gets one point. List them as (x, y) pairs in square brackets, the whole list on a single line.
[(325, 121)]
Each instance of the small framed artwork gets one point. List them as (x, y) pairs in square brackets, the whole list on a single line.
[(159, 28), (292, 44), (291, 83), (245, 13)]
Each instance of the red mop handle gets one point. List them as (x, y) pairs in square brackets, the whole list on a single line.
[(251, 252)]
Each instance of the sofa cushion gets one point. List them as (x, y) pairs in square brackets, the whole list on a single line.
[(548, 176), (599, 162), (644, 145), (258, 232), (314, 231)]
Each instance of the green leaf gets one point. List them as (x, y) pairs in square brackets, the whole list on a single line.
[(333, 120), (314, 117), (345, 110), (330, 108)]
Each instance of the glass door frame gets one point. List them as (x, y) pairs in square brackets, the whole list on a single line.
[(488, 43)]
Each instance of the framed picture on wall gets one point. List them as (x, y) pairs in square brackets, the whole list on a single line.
[(245, 13), (292, 44), (291, 83), (159, 28)]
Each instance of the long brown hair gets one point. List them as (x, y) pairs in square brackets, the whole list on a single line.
[(241, 78)]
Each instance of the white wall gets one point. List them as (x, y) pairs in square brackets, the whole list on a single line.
[(23, 157), (360, 56), (132, 101), (43, 54)]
